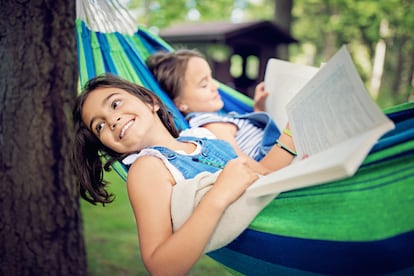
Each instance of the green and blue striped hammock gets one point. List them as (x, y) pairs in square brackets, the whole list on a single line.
[(362, 225)]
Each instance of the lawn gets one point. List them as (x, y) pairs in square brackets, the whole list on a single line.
[(111, 238)]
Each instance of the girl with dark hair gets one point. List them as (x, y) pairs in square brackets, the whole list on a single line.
[(119, 120)]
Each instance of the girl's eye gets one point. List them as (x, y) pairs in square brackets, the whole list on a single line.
[(115, 104), (204, 84), (99, 127), (207, 82)]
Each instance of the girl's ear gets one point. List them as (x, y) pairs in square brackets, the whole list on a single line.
[(155, 107), (180, 105), (183, 107)]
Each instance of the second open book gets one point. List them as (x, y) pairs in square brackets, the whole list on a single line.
[(333, 119)]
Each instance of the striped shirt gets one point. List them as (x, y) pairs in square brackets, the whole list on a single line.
[(248, 138)]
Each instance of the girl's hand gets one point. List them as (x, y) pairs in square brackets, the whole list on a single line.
[(232, 182), (260, 96)]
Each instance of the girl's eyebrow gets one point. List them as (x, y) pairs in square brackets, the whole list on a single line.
[(105, 100)]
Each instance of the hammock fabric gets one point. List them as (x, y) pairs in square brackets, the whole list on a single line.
[(363, 225)]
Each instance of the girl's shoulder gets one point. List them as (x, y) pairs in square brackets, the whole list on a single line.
[(149, 156), (151, 165), (150, 151), (212, 115), (148, 178), (199, 119), (146, 164), (199, 132)]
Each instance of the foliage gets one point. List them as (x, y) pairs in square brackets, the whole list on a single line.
[(322, 27), (162, 13), (329, 24)]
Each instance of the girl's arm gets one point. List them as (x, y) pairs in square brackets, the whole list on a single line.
[(278, 157), (226, 131), (150, 187), (274, 160)]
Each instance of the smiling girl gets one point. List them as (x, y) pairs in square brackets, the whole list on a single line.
[(124, 121)]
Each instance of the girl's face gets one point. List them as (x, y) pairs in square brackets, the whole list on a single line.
[(200, 91), (120, 120)]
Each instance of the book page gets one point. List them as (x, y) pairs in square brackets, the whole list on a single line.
[(335, 122), (304, 173), (332, 164), (333, 107), (283, 80)]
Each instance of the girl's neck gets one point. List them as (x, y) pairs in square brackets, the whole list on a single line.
[(165, 139), (187, 147)]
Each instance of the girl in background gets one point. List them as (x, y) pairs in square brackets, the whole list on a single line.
[(186, 77)]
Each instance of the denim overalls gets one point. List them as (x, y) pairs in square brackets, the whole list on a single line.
[(213, 156)]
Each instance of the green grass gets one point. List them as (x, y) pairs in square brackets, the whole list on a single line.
[(111, 238)]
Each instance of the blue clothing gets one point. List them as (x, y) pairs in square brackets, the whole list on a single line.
[(213, 155), (256, 135)]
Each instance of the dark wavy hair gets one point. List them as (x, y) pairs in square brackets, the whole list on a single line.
[(90, 156), (169, 69)]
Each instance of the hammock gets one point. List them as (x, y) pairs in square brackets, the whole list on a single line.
[(363, 225)]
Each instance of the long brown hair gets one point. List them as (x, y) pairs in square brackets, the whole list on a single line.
[(90, 156)]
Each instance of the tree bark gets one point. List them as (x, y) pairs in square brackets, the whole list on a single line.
[(283, 18), (409, 92), (40, 220), (378, 68), (398, 69)]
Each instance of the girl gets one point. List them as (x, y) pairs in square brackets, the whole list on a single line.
[(120, 120), (186, 77)]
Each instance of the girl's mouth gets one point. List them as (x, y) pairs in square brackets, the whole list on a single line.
[(125, 128)]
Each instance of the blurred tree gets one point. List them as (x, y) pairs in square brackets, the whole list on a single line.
[(162, 13), (283, 18), (380, 54), (399, 39), (322, 27), (40, 228)]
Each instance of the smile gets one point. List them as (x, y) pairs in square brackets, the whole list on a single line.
[(125, 128)]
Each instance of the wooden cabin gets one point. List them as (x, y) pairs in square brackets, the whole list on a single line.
[(237, 52)]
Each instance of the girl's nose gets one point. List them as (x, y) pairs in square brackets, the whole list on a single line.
[(114, 124), (214, 85)]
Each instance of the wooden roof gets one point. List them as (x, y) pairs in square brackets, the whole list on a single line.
[(264, 32)]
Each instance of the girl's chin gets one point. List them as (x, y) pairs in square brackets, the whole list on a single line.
[(214, 107), (218, 108)]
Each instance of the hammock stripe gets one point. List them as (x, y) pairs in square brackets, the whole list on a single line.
[(363, 225)]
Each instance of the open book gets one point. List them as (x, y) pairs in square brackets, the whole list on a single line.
[(284, 80), (333, 119)]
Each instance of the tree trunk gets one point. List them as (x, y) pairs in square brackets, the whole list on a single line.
[(409, 92), (398, 69), (40, 220), (378, 68), (283, 18)]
